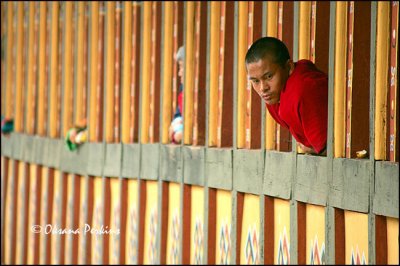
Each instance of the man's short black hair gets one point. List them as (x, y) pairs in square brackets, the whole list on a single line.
[(270, 46)]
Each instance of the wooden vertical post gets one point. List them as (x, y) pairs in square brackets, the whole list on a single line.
[(394, 94), (145, 90), (214, 71), (21, 203), (134, 84), (254, 32), (81, 64), (4, 10), (155, 73), (189, 74), (117, 69), (304, 30), (269, 229), (34, 179), (9, 60), (153, 70), (248, 98), (242, 77), (313, 27), (175, 82), (19, 107), (99, 107), (126, 78), (197, 99), (93, 69), (31, 70), (42, 87), (110, 64), (272, 30), (225, 130), (381, 240), (55, 194), (53, 114), (382, 70), (221, 71), (68, 70), (278, 127), (349, 77), (340, 79), (168, 62)]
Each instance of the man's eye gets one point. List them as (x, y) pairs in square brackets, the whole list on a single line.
[(256, 81), (269, 76)]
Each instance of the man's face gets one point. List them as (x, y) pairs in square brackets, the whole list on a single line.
[(268, 78), (180, 71)]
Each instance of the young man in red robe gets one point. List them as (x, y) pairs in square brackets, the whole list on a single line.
[(296, 94)]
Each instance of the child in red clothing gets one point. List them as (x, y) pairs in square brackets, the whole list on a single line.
[(296, 94)]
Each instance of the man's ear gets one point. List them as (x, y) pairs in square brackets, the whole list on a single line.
[(290, 65)]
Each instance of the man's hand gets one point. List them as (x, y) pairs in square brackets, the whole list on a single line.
[(309, 150), (171, 132), (176, 130)]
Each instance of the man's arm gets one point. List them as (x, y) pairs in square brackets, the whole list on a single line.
[(314, 113)]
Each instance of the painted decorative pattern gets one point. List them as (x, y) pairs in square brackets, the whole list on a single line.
[(69, 221), (116, 237), (43, 215), (283, 249), (21, 206), (198, 239), (82, 239), (153, 236), (174, 251), (97, 221), (317, 253), (225, 243), (251, 251), (133, 220), (356, 258), (33, 210), (56, 223)]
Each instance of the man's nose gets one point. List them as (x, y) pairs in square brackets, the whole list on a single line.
[(265, 86)]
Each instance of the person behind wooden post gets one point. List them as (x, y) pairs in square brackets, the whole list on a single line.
[(176, 127), (295, 93)]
